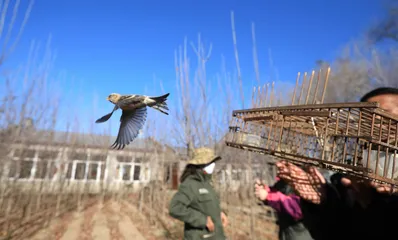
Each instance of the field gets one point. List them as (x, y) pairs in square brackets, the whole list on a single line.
[(125, 216), (153, 220)]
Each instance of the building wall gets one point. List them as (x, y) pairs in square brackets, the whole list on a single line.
[(95, 168), (234, 176)]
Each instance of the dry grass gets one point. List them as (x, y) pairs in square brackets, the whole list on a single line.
[(200, 117), (153, 218), (29, 104)]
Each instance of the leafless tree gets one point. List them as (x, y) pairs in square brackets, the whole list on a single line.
[(387, 27), (7, 26)]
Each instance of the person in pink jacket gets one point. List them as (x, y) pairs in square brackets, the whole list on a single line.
[(281, 198)]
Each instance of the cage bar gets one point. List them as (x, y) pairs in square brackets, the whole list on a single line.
[(356, 138)]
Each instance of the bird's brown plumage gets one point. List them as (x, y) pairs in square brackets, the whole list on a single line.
[(134, 114)]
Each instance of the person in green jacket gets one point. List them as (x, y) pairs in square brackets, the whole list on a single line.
[(196, 203)]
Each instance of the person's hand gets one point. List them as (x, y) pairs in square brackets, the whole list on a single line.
[(308, 185), (260, 190), (363, 189), (384, 188), (210, 224), (358, 184), (224, 219)]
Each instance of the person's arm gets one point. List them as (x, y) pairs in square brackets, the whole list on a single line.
[(179, 208), (283, 203), (334, 195), (333, 212)]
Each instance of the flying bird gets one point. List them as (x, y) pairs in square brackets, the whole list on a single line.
[(134, 113)]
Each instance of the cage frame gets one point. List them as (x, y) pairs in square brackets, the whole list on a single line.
[(362, 122)]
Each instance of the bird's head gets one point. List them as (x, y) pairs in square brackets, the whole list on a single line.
[(113, 97)]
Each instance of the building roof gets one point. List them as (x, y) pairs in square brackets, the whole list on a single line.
[(32, 136)]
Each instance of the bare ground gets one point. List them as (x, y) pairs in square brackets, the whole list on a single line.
[(106, 222)]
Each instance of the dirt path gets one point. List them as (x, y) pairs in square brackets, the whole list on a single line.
[(128, 231), (46, 233), (96, 223), (73, 230), (100, 229)]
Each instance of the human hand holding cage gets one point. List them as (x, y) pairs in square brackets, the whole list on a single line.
[(358, 139)]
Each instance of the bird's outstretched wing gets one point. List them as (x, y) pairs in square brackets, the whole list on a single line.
[(131, 122), (107, 116)]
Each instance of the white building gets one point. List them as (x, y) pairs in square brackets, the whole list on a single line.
[(72, 159)]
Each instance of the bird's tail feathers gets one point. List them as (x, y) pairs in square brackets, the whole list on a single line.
[(161, 109), (163, 105), (161, 99)]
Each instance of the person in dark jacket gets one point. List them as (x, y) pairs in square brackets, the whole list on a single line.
[(346, 208), (196, 203), (282, 199), (341, 209)]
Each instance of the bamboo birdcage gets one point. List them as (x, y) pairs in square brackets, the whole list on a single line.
[(355, 138)]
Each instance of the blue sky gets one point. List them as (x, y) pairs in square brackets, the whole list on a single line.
[(118, 46)]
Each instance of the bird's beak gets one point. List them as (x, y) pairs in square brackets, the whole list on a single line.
[(107, 98)]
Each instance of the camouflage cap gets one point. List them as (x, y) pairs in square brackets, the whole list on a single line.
[(203, 156)]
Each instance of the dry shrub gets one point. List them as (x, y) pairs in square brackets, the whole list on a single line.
[(200, 117), (202, 114), (29, 114)]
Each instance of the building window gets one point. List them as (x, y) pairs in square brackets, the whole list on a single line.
[(26, 168), (80, 171), (45, 169), (69, 170), (92, 171), (13, 169), (132, 172), (137, 172), (52, 169), (126, 174), (41, 169)]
